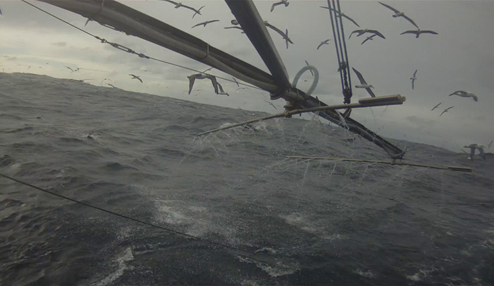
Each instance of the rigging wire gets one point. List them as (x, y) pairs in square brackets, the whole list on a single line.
[(227, 246), (128, 50), (341, 49)]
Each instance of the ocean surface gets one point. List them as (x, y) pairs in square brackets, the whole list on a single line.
[(256, 216)]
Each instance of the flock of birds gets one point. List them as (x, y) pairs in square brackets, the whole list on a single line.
[(372, 33)]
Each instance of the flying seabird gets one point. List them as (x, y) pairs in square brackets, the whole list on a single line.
[(413, 78), (369, 38), (284, 35), (462, 93), (70, 68), (363, 31), (235, 27), (193, 77), (270, 103), (418, 32), (179, 4), (489, 147), (205, 23), (238, 85), (325, 42), (473, 147), (111, 85), (222, 92), (311, 72), (284, 2), (135, 77), (436, 106), (446, 110), (341, 15), (363, 83), (399, 14)]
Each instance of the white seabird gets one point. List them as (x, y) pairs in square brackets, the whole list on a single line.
[(341, 15), (135, 77), (462, 93), (325, 42), (446, 110), (369, 38), (205, 23), (363, 31), (179, 4), (282, 2), (399, 14), (418, 32), (413, 79), (193, 77), (284, 35), (363, 83)]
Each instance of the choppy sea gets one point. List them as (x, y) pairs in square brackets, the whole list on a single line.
[(252, 216)]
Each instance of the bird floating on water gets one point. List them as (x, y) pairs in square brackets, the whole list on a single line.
[(446, 110), (325, 42), (135, 77), (462, 93), (363, 83), (179, 4), (341, 15), (193, 77), (205, 23), (418, 32), (413, 79), (474, 147), (363, 31), (282, 2), (436, 106), (399, 14)]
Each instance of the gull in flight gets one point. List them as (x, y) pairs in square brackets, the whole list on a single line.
[(363, 83), (399, 14), (369, 38), (234, 27), (446, 110), (341, 15), (462, 93), (284, 35), (70, 69), (490, 143), (179, 4), (205, 23), (436, 106), (363, 31), (193, 77), (270, 103), (222, 92), (238, 85), (413, 79), (284, 2), (135, 77), (418, 32), (325, 42), (311, 72), (473, 147)]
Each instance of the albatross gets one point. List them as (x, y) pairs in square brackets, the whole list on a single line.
[(413, 79), (325, 42), (179, 4), (135, 77), (399, 14), (436, 106), (369, 38), (446, 110), (205, 23), (284, 35), (282, 2), (363, 31), (462, 93), (193, 77), (341, 15), (363, 83), (418, 32), (474, 147)]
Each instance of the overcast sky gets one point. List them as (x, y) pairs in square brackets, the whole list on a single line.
[(461, 57)]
